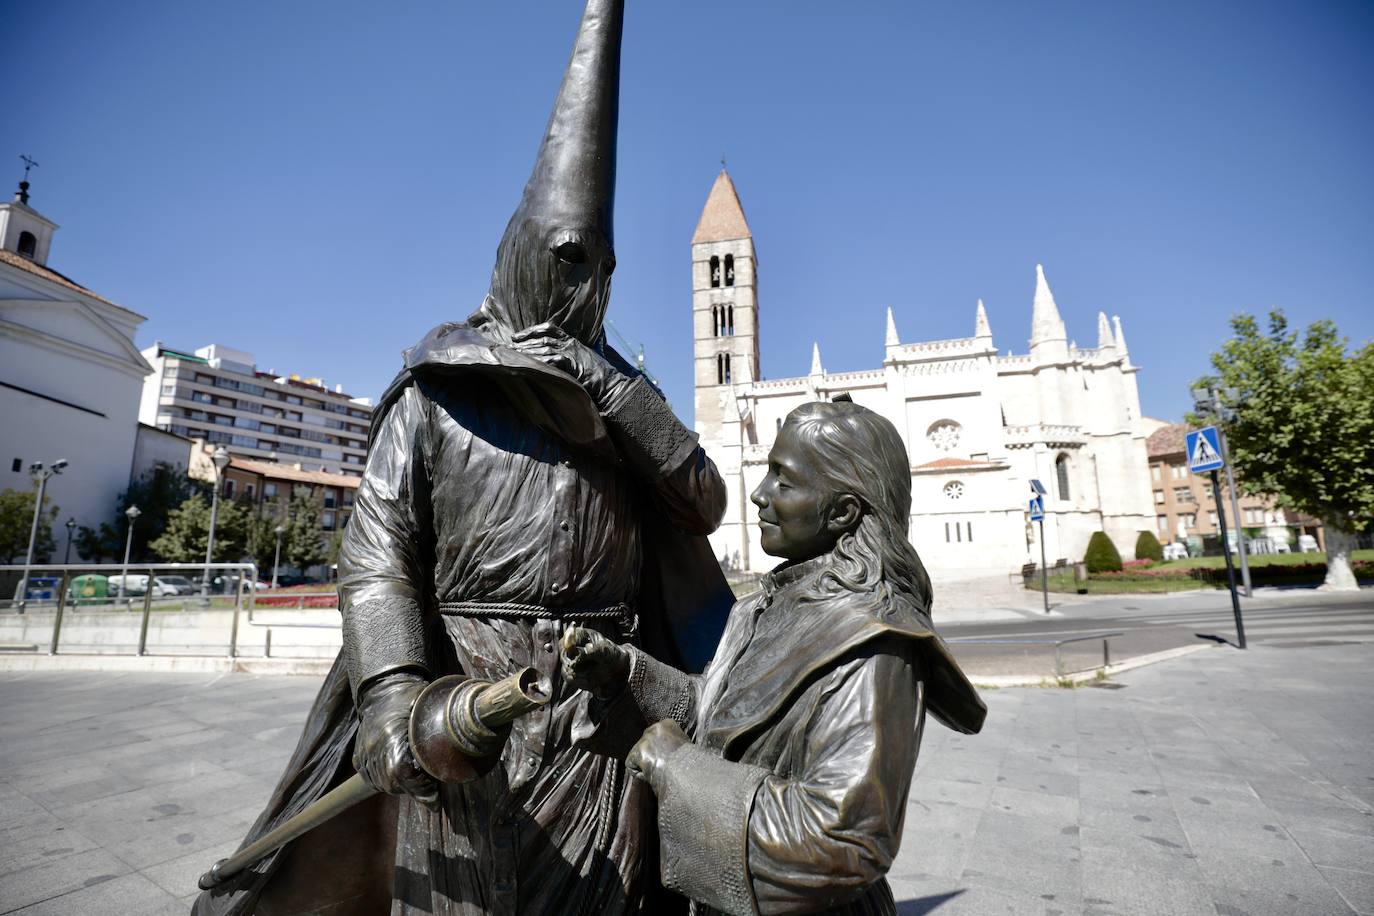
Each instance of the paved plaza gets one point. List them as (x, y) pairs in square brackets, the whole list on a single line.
[(1224, 783)]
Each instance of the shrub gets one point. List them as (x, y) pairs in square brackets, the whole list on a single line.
[(1101, 555), (1147, 547)]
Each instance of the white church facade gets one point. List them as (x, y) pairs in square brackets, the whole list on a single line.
[(979, 424)]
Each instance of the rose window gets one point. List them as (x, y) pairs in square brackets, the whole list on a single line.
[(954, 489), (944, 435)]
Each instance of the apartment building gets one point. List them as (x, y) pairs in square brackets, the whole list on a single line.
[(1185, 507), (218, 395), (267, 486)]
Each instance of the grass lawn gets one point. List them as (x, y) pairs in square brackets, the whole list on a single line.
[(1066, 585)]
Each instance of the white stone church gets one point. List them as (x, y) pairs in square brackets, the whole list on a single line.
[(979, 424)]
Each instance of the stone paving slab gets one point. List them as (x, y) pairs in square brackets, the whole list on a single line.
[(1224, 783)]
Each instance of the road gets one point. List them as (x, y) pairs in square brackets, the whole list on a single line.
[(1280, 618)]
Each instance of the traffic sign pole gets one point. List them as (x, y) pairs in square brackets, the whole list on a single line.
[(1226, 552), (1044, 572), (1241, 550)]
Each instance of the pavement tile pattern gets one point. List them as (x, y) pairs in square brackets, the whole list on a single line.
[(1224, 783)]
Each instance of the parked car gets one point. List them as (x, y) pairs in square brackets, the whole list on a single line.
[(138, 585)]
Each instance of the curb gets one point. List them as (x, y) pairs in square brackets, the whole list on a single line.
[(169, 664), (1084, 677)]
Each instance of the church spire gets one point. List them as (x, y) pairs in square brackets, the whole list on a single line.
[(816, 367), (1105, 339), (1047, 328), (1121, 340), (722, 219), (892, 339), (981, 328)]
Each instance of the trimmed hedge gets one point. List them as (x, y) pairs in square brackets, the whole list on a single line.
[(1102, 555), (1147, 547)]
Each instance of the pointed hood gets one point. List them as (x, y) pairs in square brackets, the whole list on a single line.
[(555, 259), (892, 339), (1105, 338), (981, 328)]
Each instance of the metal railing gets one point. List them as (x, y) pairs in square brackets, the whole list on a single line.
[(1058, 642), (239, 579)]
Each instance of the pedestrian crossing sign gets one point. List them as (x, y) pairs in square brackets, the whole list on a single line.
[(1037, 508), (1204, 450)]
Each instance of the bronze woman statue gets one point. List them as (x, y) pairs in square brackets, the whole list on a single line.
[(790, 793)]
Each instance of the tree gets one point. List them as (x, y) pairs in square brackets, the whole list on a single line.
[(16, 524), (1102, 555), (1147, 547), (1303, 426), (303, 545), (188, 530), (156, 493), (261, 541)]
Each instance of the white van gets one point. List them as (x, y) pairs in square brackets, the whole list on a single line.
[(136, 586)]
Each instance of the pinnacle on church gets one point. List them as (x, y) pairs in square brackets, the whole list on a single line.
[(1046, 325), (892, 339), (1105, 339), (981, 328), (1120, 335), (722, 219), (816, 367)]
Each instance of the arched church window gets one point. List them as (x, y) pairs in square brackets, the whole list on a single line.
[(1061, 473), (944, 435), (720, 368), (727, 368), (729, 270), (715, 271), (715, 321), (730, 314), (28, 245)]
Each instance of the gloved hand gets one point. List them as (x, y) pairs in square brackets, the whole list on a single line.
[(552, 345), (382, 750), (593, 663), (659, 742)]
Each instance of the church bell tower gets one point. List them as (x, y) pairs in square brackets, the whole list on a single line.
[(725, 313)]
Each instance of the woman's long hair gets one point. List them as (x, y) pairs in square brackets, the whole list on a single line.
[(859, 452)]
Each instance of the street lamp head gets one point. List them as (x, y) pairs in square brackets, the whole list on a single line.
[(71, 524), (221, 458), (280, 530), (36, 467), (59, 465), (132, 512)]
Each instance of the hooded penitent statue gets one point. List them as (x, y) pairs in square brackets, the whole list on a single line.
[(522, 478)]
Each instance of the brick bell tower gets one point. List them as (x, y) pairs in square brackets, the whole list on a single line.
[(725, 331)]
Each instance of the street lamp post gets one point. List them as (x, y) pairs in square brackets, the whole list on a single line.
[(71, 530), (276, 558), (132, 515), (221, 461), (40, 476)]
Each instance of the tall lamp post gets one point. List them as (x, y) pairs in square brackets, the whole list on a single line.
[(132, 515), (40, 476), (71, 530), (221, 461), (276, 559)]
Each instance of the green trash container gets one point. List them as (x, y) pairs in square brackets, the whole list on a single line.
[(90, 589)]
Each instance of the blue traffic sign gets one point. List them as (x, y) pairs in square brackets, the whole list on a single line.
[(1204, 450), (1037, 509)]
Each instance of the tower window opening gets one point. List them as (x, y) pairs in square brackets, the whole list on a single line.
[(715, 271), (720, 368), (715, 321), (28, 245), (727, 368), (729, 270), (1061, 473), (730, 310)]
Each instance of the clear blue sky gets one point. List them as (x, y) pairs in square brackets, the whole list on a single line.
[(321, 182)]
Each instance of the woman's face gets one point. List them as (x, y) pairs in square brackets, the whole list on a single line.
[(798, 517)]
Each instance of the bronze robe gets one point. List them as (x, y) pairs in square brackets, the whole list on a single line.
[(466, 503), (805, 727)]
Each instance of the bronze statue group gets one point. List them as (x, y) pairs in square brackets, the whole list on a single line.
[(530, 500)]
